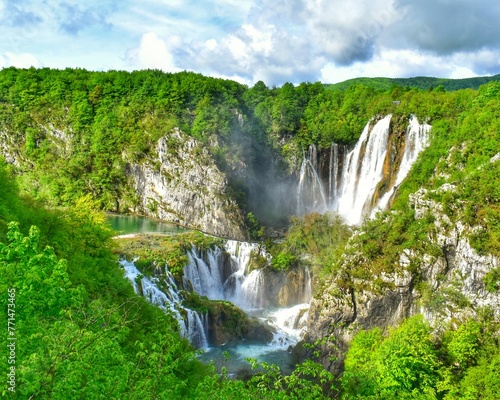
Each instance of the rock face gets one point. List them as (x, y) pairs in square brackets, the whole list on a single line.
[(182, 184), (228, 324), (450, 287), (284, 289)]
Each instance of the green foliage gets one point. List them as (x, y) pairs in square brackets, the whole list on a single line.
[(359, 377), (402, 365), (421, 82), (492, 280), (255, 229), (283, 261), (78, 129), (414, 362), (74, 131), (308, 381), (321, 237), (463, 344), (80, 330)]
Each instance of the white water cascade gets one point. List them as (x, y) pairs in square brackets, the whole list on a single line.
[(364, 167), (417, 139), (204, 276), (223, 274), (354, 175), (312, 195), (193, 327), (247, 289)]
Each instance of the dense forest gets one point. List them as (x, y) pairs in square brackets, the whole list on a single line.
[(80, 331), (419, 82)]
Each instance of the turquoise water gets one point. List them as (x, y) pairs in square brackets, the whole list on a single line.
[(233, 357), (127, 224)]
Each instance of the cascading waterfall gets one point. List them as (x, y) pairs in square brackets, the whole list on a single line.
[(290, 323), (311, 195), (197, 328), (192, 327), (205, 277), (354, 176), (252, 295), (417, 139), (208, 274), (247, 289)]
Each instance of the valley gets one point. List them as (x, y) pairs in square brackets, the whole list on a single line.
[(326, 242)]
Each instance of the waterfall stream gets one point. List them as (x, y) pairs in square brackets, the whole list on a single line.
[(417, 139), (209, 274), (355, 175)]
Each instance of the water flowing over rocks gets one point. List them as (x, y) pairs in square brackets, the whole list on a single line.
[(180, 183), (358, 181), (221, 299)]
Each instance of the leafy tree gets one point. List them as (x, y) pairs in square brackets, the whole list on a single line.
[(405, 364)]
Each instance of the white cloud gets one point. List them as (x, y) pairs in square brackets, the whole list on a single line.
[(20, 60), (260, 40), (250, 40), (409, 63), (153, 53)]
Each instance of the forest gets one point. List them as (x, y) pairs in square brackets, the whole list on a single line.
[(81, 332)]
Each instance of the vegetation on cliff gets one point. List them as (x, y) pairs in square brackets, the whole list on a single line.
[(68, 136), (81, 331), (72, 133)]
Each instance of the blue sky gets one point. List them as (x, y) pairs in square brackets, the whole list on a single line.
[(249, 40)]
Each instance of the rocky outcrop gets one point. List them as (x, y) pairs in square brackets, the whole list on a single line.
[(228, 324), (288, 288), (181, 183), (456, 278), (448, 285)]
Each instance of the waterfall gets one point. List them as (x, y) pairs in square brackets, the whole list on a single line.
[(333, 172), (244, 288), (252, 295), (247, 289), (204, 276), (311, 194), (213, 274), (363, 171), (240, 253), (416, 140), (197, 328), (290, 324), (193, 327), (354, 176)]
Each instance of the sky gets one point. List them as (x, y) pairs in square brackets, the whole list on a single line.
[(275, 41)]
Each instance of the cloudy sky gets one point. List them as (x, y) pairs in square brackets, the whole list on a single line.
[(275, 41)]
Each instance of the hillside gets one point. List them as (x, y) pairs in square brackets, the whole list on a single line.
[(404, 299), (418, 82)]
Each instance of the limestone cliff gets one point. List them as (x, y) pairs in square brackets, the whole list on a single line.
[(180, 182), (444, 279)]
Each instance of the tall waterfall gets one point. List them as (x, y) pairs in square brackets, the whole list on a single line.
[(311, 193), (362, 179), (363, 171)]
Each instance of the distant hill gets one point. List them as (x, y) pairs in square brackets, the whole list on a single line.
[(420, 82)]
